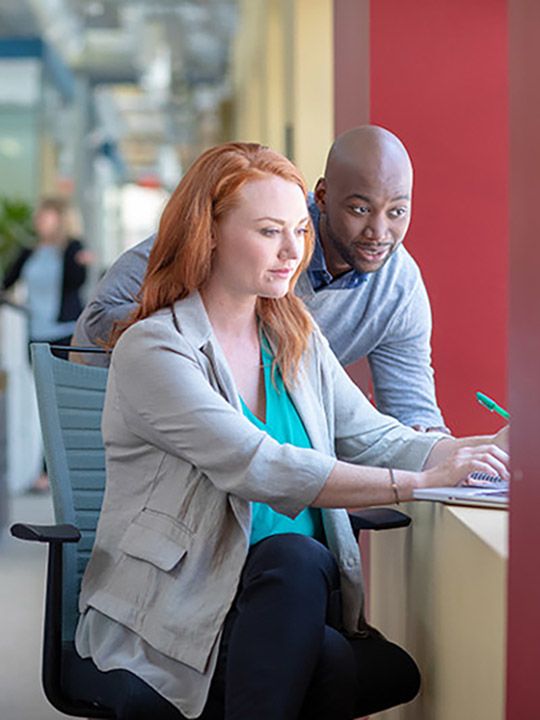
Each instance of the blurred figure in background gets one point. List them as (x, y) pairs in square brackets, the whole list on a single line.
[(53, 272)]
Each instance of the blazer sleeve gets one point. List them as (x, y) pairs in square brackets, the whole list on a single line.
[(74, 272), (362, 434), (166, 400), (14, 272)]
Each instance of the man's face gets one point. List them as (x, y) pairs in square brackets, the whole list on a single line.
[(364, 214)]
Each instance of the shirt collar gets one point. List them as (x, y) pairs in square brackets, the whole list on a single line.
[(317, 271)]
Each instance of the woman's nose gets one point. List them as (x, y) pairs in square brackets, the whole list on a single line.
[(291, 246)]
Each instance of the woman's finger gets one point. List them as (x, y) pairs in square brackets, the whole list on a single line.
[(488, 466)]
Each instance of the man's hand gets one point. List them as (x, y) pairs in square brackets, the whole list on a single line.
[(502, 438)]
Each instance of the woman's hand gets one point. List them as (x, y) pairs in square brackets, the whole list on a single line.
[(462, 460), (502, 438), (84, 257)]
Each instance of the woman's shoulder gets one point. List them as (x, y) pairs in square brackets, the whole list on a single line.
[(155, 332), (21, 257), (14, 270), (158, 325), (72, 246), (182, 328)]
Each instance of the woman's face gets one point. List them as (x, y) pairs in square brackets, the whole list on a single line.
[(259, 243), (47, 223)]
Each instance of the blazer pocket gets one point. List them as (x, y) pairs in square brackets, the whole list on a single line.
[(157, 539)]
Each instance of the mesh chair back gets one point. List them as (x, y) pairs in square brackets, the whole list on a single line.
[(70, 401)]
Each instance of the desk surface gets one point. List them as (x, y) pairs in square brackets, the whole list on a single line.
[(488, 524)]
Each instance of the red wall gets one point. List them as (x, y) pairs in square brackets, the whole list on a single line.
[(438, 79)]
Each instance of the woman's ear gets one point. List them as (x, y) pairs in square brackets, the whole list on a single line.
[(213, 236)]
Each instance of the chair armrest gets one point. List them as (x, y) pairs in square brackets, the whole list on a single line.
[(46, 533), (378, 519), (55, 536)]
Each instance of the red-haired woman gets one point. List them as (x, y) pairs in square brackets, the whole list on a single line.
[(225, 580)]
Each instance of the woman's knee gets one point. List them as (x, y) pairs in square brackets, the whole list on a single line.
[(298, 553), (336, 665), (291, 577), (387, 675), (332, 691), (407, 676)]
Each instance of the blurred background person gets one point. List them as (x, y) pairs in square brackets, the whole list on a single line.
[(53, 272)]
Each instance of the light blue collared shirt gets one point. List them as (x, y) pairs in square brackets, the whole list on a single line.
[(318, 271)]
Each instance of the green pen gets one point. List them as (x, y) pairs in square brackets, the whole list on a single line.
[(492, 405)]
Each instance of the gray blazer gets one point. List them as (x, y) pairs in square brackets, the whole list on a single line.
[(183, 464)]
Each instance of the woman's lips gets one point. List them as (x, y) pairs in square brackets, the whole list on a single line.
[(282, 272)]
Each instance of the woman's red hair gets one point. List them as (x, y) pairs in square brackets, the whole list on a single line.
[(181, 258)]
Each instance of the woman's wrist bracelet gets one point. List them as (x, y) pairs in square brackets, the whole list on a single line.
[(394, 485)]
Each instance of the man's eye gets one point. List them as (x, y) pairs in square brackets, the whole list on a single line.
[(397, 212), (360, 209)]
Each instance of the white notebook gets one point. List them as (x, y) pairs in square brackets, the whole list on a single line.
[(494, 495)]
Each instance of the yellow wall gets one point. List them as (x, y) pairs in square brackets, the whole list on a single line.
[(282, 70), (312, 79), (247, 72)]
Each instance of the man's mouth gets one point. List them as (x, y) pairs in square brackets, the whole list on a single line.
[(373, 253)]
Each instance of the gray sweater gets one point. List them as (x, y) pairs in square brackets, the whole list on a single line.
[(387, 319)]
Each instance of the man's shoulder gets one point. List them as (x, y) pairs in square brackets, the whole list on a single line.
[(400, 274), (136, 254), (401, 266), (127, 271)]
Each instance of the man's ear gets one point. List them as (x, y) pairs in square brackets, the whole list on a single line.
[(320, 194)]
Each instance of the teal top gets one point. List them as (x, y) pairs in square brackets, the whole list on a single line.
[(284, 424)]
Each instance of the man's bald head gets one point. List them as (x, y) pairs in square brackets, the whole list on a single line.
[(364, 199), (368, 146)]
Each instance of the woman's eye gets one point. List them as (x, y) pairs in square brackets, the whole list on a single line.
[(269, 232), (302, 231)]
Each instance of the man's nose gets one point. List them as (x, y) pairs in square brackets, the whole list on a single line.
[(376, 228)]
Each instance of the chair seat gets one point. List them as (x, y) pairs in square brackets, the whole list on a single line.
[(98, 690), (83, 683)]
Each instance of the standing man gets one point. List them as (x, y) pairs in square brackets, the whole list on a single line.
[(363, 288)]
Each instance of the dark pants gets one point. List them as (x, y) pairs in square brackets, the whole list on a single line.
[(282, 656)]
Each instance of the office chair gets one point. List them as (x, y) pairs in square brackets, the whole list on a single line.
[(70, 400)]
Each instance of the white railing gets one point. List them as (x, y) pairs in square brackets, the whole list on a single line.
[(22, 433)]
